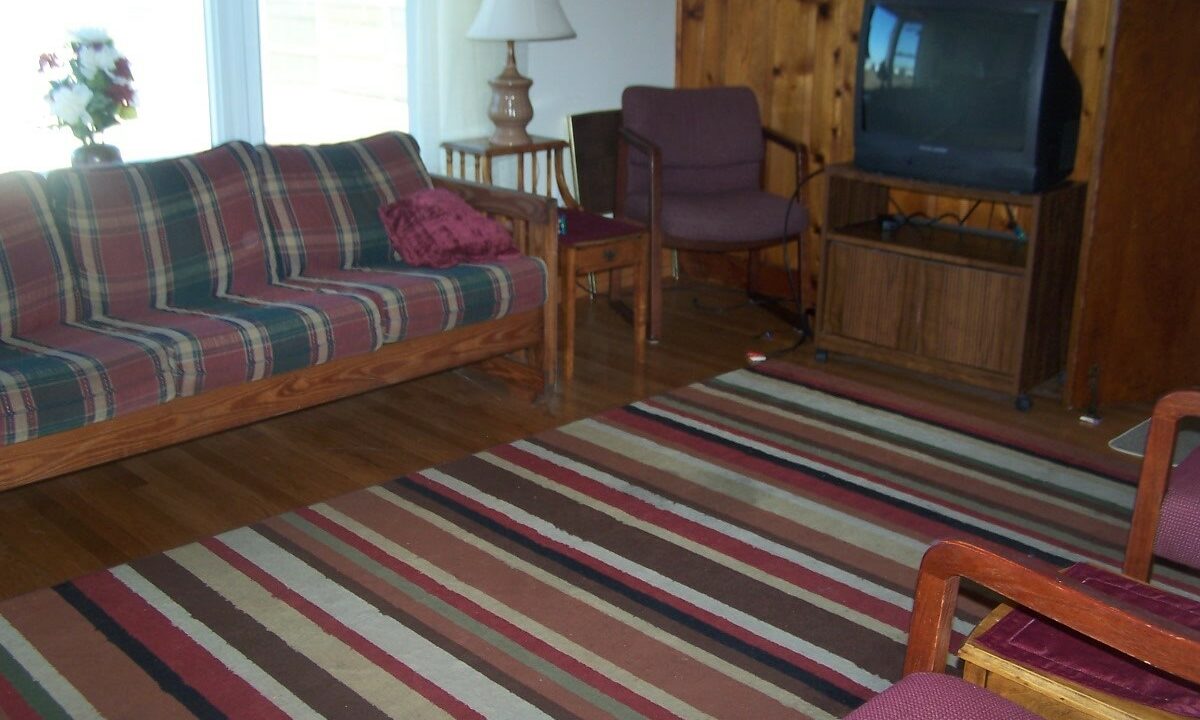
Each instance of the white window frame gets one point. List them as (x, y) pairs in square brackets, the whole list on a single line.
[(234, 71)]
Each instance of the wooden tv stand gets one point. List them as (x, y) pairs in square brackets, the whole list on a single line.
[(982, 307)]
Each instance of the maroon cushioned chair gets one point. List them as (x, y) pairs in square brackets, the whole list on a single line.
[(925, 693), (1166, 514), (691, 167)]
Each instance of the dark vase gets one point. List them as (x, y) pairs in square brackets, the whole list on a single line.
[(95, 155)]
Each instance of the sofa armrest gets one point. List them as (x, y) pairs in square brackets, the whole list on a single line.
[(532, 218)]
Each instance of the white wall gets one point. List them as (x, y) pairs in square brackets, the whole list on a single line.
[(618, 43)]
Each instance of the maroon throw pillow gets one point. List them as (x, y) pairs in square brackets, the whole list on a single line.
[(436, 228)]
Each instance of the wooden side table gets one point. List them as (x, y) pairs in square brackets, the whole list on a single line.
[(593, 243), (541, 152), (1050, 696)]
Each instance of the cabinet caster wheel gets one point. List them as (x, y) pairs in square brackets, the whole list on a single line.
[(1024, 402), (822, 356)]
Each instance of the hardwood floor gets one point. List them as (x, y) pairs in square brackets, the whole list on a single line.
[(60, 528)]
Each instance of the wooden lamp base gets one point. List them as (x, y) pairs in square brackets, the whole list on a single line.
[(510, 110)]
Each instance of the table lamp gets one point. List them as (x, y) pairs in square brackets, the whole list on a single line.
[(510, 21)]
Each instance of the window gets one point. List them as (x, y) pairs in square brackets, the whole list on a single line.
[(332, 69), (169, 75), (295, 71)]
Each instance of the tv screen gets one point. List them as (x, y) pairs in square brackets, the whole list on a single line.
[(967, 92)]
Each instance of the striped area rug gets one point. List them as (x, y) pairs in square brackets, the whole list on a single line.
[(739, 548)]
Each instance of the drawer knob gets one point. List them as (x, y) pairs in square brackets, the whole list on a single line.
[(610, 255)]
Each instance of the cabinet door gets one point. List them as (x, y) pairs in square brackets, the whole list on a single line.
[(866, 294), (926, 309), (969, 316)]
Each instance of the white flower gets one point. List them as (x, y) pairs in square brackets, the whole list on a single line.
[(92, 61), (69, 104), (91, 35)]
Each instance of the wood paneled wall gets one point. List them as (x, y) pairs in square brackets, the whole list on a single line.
[(1135, 333), (799, 57)]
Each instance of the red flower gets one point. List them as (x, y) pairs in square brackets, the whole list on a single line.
[(120, 94), (47, 60), (122, 69)]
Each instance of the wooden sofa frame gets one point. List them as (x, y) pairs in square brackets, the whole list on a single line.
[(534, 225)]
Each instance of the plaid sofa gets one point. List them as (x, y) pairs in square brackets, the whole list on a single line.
[(128, 287)]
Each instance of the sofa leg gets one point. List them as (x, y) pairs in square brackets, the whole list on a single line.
[(545, 357)]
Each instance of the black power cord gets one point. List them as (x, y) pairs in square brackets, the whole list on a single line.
[(794, 282), (801, 324)]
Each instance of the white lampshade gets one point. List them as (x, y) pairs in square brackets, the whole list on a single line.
[(520, 20)]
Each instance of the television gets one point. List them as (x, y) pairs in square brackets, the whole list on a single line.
[(976, 93)]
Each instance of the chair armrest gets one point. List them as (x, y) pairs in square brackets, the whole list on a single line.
[(1152, 482), (798, 149), (627, 138), (533, 219), (641, 142), (1038, 587), (785, 141)]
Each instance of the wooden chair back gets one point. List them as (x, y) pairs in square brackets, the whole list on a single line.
[(593, 137), (1152, 483)]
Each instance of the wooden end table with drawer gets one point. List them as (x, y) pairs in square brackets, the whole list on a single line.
[(593, 243)]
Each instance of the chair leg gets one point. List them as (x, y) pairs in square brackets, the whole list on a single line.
[(798, 320), (639, 313), (655, 284), (752, 262), (567, 270)]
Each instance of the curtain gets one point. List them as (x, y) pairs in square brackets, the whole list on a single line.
[(447, 75)]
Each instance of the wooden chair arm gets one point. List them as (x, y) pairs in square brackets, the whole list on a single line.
[(798, 149), (641, 142), (785, 141), (1039, 588), (626, 139), (1152, 482)]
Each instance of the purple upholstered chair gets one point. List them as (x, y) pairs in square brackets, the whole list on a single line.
[(930, 696), (691, 166), (1166, 514), (923, 693)]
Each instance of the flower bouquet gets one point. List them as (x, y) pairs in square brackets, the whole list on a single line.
[(92, 91)]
